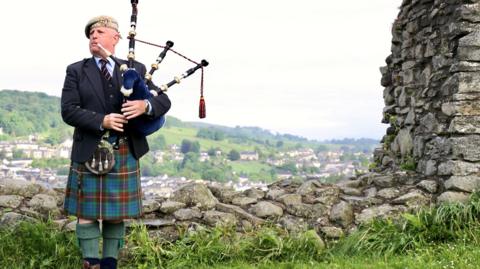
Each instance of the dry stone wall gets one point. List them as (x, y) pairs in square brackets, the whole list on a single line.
[(330, 209)]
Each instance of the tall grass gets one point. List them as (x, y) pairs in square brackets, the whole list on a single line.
[(37, 245), (222, 245), (440, 224)]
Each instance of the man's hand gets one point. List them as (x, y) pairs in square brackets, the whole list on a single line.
[(133, 109), (114, 121)]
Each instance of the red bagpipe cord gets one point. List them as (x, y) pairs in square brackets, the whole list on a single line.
[(202, 111)]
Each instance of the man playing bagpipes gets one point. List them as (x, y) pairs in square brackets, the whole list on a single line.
[(104, 178)]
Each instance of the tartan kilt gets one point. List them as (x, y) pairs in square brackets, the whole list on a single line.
[(114, 196)]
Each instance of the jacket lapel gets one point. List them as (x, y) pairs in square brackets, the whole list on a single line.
[(117, 75), (93, 75)]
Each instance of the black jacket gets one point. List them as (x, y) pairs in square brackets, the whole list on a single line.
[(83, 107)]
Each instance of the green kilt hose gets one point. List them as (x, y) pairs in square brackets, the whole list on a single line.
[(114, 196)]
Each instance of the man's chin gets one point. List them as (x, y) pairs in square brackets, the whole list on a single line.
[(95, 51)]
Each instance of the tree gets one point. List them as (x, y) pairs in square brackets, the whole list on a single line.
[(210, 133), (190, 160), (56, 136), (214, 174), (63, 171), (205, 133), (233, 155), (16, 124), (195, 147), (219, 135), (158, 143), (279, 144), (18, 154), (212, 152), (290, 166), (189, 146), (261, 155), (147, 169), (186, 146), (311, 169), (321, 148)]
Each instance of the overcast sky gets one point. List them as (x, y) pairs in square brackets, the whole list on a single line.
[(305, 67)]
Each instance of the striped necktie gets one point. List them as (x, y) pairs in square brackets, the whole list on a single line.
[(104, 70)]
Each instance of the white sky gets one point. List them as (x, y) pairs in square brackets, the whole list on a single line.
[(304, 67)]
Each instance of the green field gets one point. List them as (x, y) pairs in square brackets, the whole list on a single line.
[(249, 166), (175, 135)]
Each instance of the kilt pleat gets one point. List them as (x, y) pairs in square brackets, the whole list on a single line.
[(114, 196)]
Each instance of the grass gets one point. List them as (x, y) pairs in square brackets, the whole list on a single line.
[(447, 256), (446, 236), (218, 247), (436, 225), (175, 135), (249, 167), (37, 245)]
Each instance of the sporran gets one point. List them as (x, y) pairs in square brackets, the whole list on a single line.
[(102, 160)]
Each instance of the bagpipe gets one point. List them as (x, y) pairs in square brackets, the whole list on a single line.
[(134, 87)]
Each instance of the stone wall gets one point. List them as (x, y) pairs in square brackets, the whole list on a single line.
[(331, 210), (432, 91)]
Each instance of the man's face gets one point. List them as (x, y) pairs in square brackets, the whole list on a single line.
[(107, 37)]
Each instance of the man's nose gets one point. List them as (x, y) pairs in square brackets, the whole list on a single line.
[(94, 35)]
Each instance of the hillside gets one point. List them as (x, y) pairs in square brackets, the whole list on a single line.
[(24, 113)]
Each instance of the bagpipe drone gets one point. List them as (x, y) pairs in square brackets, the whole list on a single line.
[(134, 87)]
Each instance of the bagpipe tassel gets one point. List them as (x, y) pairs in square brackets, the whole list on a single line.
[(202, 112)]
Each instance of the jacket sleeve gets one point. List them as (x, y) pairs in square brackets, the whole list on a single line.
[(72, 110), (160, 104)]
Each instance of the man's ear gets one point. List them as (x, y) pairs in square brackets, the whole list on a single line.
[(116, 38)]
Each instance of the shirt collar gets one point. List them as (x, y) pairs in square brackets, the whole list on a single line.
[(110, 63)]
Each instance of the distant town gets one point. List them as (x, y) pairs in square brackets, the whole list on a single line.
[(17, 157)]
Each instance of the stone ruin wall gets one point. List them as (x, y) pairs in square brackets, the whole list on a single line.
[(432, 92), (430, 153)]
